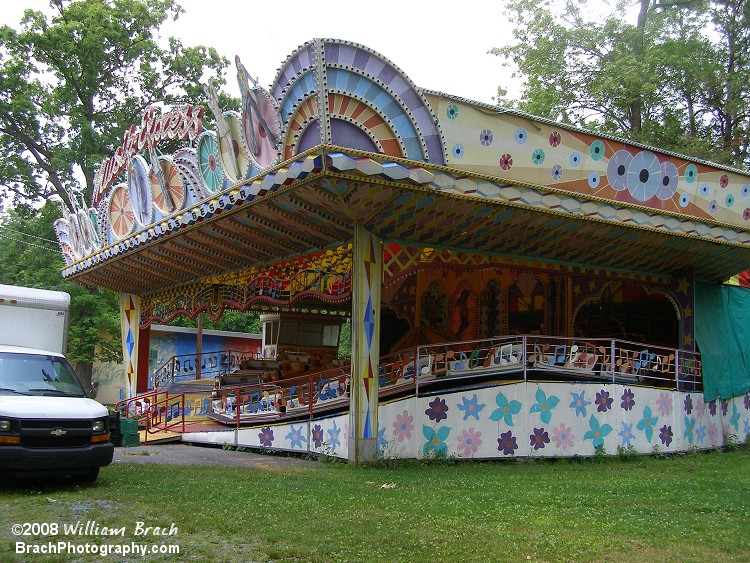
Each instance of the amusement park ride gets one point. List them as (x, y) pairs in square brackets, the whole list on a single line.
[(469, 245)]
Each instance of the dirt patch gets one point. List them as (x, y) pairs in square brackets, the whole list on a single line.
[(184, 454)]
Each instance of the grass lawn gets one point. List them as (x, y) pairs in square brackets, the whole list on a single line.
[(694, 507)]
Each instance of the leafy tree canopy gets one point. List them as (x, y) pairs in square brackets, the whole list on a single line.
[(677, 77), (31, 258), (72, 83)]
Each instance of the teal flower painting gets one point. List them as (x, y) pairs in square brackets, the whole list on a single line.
[(544, 405), (505, 410), (734, 420), (435, 440), (689, 429), (647, 423), (597, 432)]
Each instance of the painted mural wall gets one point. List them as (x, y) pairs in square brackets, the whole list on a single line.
[(522, 148), (113, 383), (522, 420)]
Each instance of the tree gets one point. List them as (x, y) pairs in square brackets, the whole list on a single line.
[(30, 257), (676, 78), (71, 85)]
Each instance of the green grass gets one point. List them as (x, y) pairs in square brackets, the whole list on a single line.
[(689, 508)]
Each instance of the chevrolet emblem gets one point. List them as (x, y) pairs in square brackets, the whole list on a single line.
[(58, 432)]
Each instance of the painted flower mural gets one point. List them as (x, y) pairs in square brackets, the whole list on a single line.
[(563, 437), (382, 441), (505, 410), (647, 423), (539, 438), (603, 401), (664, 404), (688, 405), (626, 434), (437, 410), (435, 440), (507, 443), (469, 441), (665, 435), (544, 405), (579, 403), (334, 436), (403, 426), (317, 435), (689, 429), (597, 432), (266, 437), (470, 407), (296, 437), (628, 400)]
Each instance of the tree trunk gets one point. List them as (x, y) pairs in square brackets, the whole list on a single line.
[(85, 371)]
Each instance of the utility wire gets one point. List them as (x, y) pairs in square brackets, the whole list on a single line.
[(28, 243), (4, 228)]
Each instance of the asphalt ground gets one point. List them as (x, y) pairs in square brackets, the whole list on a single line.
[(185, 454)]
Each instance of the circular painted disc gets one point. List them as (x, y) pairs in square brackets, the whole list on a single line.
[(88, 231), (173, 185), (267, 152), (670, 178), (209, 161), (644, 176), (238, 151), (121, 219), (140, 190)]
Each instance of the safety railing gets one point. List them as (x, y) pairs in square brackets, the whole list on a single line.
[(579, 358), (418, 369), (298, 396), (184, 367)]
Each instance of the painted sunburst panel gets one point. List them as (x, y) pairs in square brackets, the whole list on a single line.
[(300, 89), (369, 121), (296, 64), (383, 70), (209, 160), (343, 81), (303, 115), (325, 67), (261, 128)]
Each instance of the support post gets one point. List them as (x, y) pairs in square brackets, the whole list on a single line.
[(130, 316), (366, 289), (199, 347), (144, 347)]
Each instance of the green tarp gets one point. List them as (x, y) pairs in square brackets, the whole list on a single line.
[(722, 331)]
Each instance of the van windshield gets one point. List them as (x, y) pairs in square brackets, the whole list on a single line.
[(38, 374)]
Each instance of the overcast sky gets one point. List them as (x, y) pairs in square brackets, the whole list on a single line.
[(440, 45)]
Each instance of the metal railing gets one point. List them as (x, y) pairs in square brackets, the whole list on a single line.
[(184, 366), (417, 369)]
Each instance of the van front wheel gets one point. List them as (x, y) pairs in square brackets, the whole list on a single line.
[(88, 477)]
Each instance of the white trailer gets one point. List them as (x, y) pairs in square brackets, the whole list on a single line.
[(35, 318), (47, 423)]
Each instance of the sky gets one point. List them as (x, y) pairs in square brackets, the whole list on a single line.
[(441, 45)]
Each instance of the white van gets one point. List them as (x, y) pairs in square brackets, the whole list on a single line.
[(47, 423)]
